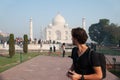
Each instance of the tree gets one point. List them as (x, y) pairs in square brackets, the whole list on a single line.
[(96, 31), (25, 44), (113, 32), (11, 46), (103, 32)]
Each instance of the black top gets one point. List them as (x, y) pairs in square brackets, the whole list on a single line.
[(82, 64)]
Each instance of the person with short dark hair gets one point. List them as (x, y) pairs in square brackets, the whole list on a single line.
[(81, 68)]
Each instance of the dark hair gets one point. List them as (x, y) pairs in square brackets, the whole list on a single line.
[(79, 34), (63, 44)]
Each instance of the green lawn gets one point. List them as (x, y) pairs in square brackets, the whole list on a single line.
[(116, 72), (107, 50), (6, 62)]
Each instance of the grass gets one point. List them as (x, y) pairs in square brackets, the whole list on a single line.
[(108, 51), (115, 72), (6, 62)]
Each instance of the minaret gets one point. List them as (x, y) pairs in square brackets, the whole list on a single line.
[(83, 23), (31, 30)]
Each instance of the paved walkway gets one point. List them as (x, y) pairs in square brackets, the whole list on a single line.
[(43, 68), (39, 68)]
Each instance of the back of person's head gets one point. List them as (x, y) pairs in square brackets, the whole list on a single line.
[(63, 43), (79, 34)]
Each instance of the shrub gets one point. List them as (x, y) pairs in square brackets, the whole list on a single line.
[(11, 46), (25, 44)]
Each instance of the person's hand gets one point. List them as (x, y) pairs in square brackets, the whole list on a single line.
[(74, 75), (68, 73)]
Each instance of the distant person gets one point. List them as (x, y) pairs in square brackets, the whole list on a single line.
[(50, 50), (40, 42), (4, 44), (81, 68), (91, 45), (94, 47), (54, 48), (63, 50)]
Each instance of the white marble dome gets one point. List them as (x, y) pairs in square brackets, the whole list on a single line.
[(58, 20)]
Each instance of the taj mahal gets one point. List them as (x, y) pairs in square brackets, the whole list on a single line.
[(58, 30)]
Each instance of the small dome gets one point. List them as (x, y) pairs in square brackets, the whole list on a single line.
[(58, 20), (50, 25), (66, 25)]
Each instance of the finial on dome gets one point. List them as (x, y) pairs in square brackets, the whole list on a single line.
[(58, 12)]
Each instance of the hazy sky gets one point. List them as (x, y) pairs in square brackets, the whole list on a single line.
[(15, 14)]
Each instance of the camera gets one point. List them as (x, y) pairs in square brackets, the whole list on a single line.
[(69, 72)]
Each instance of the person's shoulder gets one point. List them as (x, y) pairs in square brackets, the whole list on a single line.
[(94, 54), (74, 47), (74, 50)]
